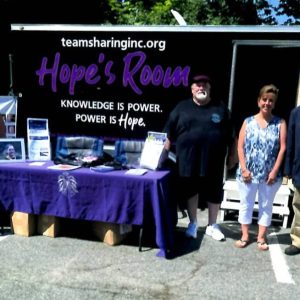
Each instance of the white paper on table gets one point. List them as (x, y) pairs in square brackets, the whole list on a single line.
[(63, 167), (137, 172), (37, 163)]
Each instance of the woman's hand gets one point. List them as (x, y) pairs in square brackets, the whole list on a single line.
[(271, 177), (246, 174)]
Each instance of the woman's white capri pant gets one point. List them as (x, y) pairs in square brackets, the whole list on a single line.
[(265, 193)]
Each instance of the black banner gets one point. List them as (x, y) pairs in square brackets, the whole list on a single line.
[(117, 84)]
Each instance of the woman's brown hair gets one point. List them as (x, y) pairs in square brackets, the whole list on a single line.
[(269, 88)]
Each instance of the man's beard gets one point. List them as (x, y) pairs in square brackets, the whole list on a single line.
[(201, 96)]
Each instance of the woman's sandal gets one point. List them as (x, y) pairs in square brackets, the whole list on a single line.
[(241, 243), (263, 246)]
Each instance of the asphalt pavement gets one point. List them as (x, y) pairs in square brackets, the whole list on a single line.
[(75, 265)]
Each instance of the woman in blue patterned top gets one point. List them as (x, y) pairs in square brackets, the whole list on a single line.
[(261, 149)]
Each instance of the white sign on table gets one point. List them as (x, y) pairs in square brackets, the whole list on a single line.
[(153, 149), (38, 140)]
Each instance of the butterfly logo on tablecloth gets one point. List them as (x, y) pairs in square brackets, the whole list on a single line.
[(67, 184)]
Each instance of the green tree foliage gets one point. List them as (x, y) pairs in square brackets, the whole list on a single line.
[(195, 12)]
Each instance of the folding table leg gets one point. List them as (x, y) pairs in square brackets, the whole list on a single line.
[(222, 215), (2, 223), (285, 221), (140, 239)]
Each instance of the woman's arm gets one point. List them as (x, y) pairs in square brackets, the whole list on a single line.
[(242, 160), (282, 140)]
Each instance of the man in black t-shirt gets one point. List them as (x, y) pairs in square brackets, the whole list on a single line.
[(201, 130)]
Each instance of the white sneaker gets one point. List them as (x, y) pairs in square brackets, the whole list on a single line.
[(215, 232), (192, 230)]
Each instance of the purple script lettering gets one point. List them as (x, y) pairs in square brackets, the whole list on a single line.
[(157, 76), (53, 72), (73, 74)]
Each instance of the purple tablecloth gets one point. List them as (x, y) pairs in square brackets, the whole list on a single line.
[(88, 195)]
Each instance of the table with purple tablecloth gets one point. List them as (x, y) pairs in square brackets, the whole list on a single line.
[(84, 194)]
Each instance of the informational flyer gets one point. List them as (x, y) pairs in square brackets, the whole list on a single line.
[(153, 149), (159, 137), (38, 139), (63, 167)]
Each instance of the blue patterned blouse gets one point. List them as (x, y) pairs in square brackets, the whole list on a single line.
[(261, 148)]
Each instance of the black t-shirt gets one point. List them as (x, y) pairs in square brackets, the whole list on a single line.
[(201, 134)]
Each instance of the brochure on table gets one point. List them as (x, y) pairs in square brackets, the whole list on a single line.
[(63, 167), (38, 140), (136, 172), (153, 149)]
